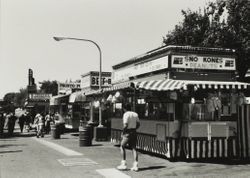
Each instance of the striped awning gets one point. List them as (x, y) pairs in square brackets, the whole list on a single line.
[(170, 85), (161, 85)]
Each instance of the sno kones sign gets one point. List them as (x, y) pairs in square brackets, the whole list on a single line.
[(203, 62)]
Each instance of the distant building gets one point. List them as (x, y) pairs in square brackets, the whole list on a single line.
[(31, 83), (36, 102)]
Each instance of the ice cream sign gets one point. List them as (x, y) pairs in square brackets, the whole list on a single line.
[(203, 62)]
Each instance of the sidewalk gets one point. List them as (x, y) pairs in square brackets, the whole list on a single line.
[(107, 155)]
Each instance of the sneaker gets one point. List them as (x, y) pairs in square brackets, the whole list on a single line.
[(123, 165), (135, 167)]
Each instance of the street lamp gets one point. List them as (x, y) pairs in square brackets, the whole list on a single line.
[(100, 70)]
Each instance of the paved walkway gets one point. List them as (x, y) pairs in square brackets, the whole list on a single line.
[(102, 158), (108, 156)]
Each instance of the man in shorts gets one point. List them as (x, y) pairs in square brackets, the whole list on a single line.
[(129, 136)]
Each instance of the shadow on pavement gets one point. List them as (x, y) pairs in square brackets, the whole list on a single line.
[(217, 161), (8, 145), (63, 138), (17, 134), (29, 134), (6, 139), (151, 168), (97, 145), (11, 151), (75, 134)]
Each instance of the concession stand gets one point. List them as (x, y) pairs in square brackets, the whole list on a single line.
[(75, 105), (90, 85), (68, 102), (187, 99)]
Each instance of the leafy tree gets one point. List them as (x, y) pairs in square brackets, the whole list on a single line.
[(9, 97), (191, 31), (21, 97), (9, 102), (49, 87), (221, 24)]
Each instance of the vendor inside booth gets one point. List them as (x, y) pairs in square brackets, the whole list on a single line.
[(187, 99)]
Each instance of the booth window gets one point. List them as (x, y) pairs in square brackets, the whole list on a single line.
[(156, 111), (117, 109), (215, 107)]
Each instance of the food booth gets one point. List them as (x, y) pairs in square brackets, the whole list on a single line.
[(187, 99)]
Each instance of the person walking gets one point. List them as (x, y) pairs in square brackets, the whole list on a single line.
[(39, 121), (129, 136)]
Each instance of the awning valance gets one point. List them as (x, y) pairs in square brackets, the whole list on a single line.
[(218, 84)]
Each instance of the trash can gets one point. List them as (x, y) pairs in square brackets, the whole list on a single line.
[(85, 137), (55, 131)]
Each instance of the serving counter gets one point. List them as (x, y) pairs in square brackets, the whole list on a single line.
[(183, 139)]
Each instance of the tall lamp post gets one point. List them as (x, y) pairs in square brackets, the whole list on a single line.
[(100, 70)]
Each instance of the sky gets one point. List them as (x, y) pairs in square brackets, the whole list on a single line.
[(122, 28)]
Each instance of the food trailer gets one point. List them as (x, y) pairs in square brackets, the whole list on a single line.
[(187, 99)]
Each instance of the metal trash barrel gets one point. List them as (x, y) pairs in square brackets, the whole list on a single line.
[(54, 131), (85, 137)]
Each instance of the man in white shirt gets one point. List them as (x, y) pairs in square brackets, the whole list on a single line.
[(129, 136)]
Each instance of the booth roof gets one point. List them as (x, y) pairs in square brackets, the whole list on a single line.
[(55, 100), (77, 97), (165, 49)]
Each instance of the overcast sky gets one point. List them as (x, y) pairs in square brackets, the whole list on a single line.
[(122, 28)]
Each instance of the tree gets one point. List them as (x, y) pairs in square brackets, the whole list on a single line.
[(9, 97), (21, 97), (221, 24), (49, 87), (9, 102), (191, 31)]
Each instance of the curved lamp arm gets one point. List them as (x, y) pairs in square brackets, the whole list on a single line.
[(100, 71)]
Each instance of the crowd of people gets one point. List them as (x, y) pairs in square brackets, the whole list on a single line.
[(40, 123)]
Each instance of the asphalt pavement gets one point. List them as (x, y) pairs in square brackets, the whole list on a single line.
[(24, 155)]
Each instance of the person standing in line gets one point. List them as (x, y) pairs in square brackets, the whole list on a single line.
[(129, 136), (11, 123), (2, 120), (60, 122), (21, 121), (47, 123), (27, 121)]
